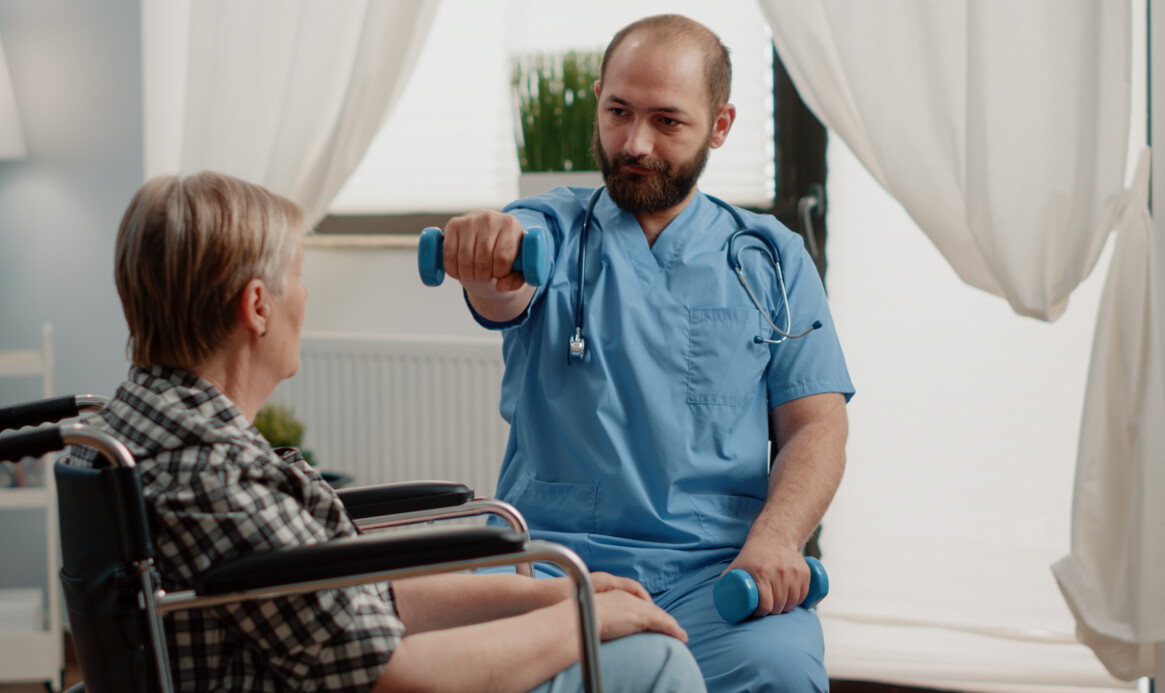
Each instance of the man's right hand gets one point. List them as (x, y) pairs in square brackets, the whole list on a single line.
[(479, 251)]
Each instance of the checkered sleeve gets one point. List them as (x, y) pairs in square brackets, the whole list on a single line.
[(223, 501)]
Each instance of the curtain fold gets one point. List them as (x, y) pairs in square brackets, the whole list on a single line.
[(284, 93), (1112, 578), (1002, 129)]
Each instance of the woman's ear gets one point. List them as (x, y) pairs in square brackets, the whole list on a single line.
[(255, 307)]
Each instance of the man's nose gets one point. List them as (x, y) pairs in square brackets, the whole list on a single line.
[(640, 141)]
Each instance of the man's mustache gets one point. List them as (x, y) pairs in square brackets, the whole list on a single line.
[(623, 160)]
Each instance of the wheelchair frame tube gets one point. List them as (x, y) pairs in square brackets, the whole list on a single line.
[(535, 551), (473, 508), (111, 448), (151, 588)]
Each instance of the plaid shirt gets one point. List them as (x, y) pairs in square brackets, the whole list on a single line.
[(215, 490)]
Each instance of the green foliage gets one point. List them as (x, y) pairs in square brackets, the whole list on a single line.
[(556, 109), (279, 426)]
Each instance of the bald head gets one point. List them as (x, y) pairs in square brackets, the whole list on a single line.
[(676, 29)]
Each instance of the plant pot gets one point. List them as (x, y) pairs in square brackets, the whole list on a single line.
[(537, 182)]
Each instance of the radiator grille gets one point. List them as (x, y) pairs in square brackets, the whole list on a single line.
[(385, 409)]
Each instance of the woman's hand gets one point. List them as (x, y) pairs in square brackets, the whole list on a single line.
[(606, 582), (621, 613)]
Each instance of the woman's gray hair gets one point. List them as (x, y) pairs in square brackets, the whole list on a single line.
[(186, 248)]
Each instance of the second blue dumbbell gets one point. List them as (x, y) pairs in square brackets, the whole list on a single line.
[(533, 259), (736, 595)]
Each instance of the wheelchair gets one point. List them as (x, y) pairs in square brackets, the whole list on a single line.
[(112, 587)]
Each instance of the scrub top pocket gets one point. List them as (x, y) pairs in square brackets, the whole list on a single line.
[(555, 506), (725, 364)]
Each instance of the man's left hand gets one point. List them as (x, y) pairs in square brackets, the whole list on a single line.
[(781, 576)]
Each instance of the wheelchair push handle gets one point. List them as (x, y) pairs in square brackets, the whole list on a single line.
[(34, 443), (50, 410), (736, 595), (38, 412), (533, 259)]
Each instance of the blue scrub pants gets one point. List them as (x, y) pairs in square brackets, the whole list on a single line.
[(776, 653), (636, 664)]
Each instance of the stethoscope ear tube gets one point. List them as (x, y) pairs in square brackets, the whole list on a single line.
[(577, 343)]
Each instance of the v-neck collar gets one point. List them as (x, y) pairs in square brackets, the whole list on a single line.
[(625, 232)]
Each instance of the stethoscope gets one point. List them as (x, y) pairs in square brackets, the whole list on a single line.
[(578, 344)]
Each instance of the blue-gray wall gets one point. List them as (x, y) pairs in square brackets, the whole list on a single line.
[(76, 71)]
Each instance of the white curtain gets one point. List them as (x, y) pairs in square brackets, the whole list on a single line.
[(284, 93), (1000, 126), (1114, 577), (1002, 130)]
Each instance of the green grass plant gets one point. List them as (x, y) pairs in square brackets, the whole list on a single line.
[(555, 99)]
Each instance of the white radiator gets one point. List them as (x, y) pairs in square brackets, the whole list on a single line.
[(385, 409)]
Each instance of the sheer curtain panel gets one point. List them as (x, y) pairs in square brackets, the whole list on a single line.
[(284, 93), (1002, 129)]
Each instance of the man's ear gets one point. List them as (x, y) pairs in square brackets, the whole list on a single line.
[(254, 307), (722, 123)]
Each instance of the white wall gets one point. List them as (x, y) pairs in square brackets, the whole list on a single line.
[(377, 290)]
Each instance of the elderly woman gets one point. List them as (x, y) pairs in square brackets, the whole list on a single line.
[(208, 270)]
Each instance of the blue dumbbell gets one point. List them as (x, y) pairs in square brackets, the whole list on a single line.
[(736, 596), (533, 259)]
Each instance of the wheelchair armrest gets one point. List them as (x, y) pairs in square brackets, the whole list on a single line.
[(403, 497), (356, 556)]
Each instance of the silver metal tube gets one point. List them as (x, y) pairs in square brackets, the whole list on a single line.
[(111, 448), (473, 508), (90, 402), (150, 592), (585, 595), (535, 551)]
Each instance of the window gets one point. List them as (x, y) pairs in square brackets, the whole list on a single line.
[(449, 146)]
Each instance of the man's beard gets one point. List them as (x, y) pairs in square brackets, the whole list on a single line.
[(649, 194)]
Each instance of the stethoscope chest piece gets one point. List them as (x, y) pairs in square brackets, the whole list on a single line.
[(578, 345)]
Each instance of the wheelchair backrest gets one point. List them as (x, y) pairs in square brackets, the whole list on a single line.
[(105, 537)]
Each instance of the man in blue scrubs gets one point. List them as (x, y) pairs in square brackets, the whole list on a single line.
[(649, 454)]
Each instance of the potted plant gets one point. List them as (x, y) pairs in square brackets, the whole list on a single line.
[(282, 429), (555, 102)]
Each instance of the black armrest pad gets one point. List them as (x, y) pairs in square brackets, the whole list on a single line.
[(404, 497), (356, 556)]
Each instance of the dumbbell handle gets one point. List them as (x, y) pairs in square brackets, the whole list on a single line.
[(736, 596), (533, 259)]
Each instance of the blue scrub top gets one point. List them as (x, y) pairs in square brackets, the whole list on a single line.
[(649, 456)]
